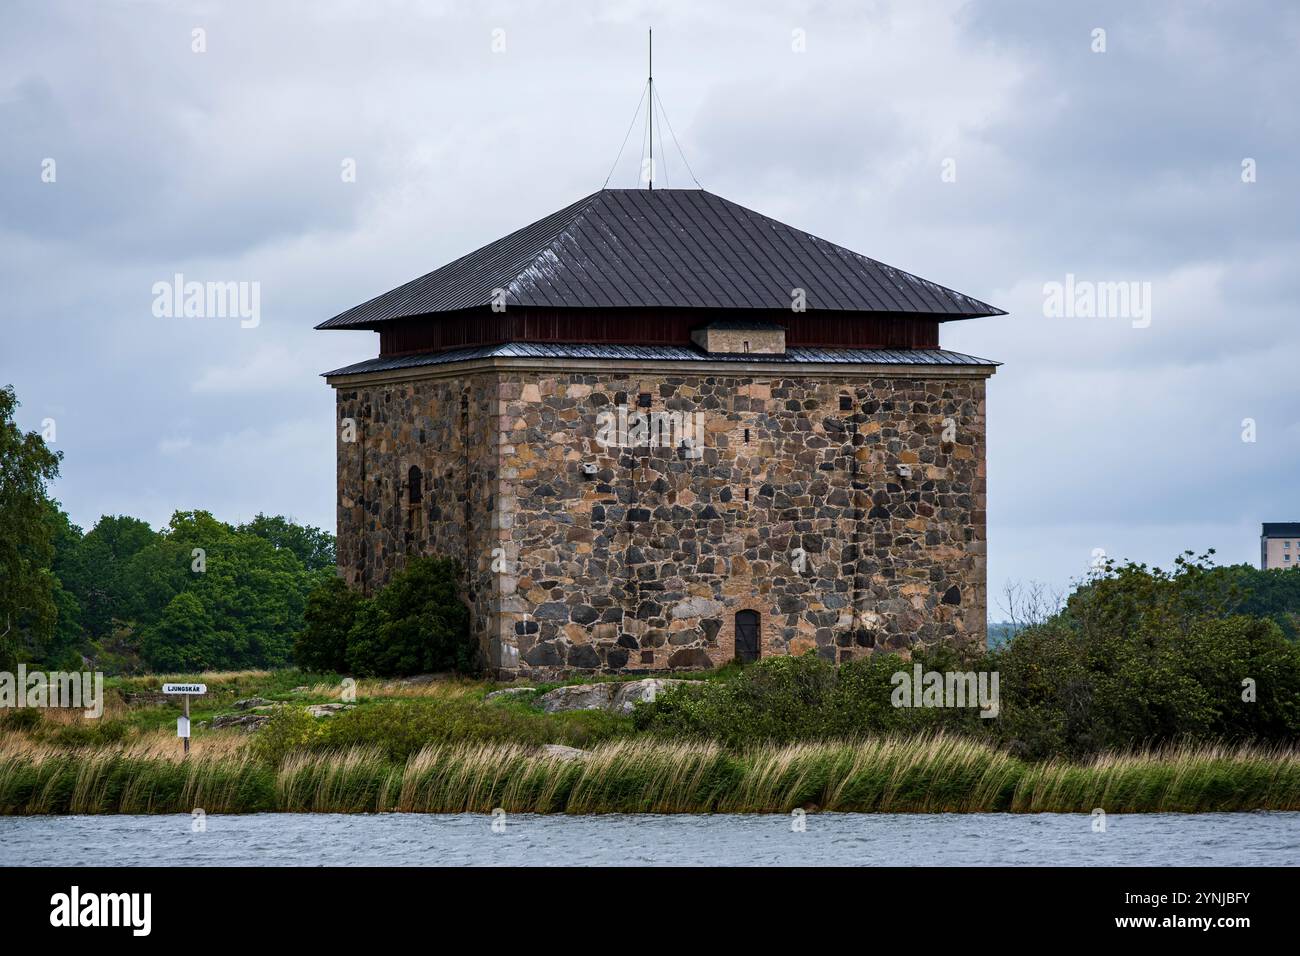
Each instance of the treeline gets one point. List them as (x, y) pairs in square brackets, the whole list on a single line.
[(201, 594)]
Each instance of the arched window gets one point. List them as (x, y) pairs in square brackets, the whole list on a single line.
[(414, 480)]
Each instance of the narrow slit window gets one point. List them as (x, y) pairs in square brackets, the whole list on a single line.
[(414, 485)]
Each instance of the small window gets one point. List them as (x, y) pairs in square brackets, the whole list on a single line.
[(746, 436), (1286, 544), (746, 346), (414, 483)]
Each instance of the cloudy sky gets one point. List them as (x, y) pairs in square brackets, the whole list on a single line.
[(989, 146)]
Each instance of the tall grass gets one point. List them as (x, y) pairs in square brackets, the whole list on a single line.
[(888, 775)]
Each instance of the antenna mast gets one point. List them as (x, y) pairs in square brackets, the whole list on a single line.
[(650, 107)]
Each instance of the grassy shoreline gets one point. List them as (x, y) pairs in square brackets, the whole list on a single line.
[(929, 774)]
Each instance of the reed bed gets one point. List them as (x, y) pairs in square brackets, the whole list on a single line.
[(933, 774)]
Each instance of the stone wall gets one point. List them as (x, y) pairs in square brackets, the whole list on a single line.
[(792, 502)]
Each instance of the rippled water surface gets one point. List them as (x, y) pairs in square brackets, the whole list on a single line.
[(829, 839)]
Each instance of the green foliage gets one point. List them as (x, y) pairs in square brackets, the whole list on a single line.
[(313, 547), (791, 699), (933, 774), (95, 569), (244, 598), (1140, 655), (401, 729), (417, 624), (28, 605), (290, 728), (22, 719), (97, 782), (96, 733), (126, 595), (329, 615), (1274, 594), (183, 638)]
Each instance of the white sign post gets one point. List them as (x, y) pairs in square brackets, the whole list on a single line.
[(183, 723)]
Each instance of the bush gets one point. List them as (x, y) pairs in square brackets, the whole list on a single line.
[(329, 615), (24, 718), (790, 699), (402, 729), (415, 625), (290, 728), (1140, 656), (93, 733)]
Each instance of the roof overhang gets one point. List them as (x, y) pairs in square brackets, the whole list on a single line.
[(804, 362)]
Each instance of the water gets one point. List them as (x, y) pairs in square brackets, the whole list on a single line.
[(989, 839)]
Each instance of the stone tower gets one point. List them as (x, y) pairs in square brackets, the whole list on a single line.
[(659, 430)]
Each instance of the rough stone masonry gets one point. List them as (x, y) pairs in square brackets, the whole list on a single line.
[(845, 505)]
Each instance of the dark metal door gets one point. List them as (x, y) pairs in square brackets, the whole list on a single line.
[(747, 636)]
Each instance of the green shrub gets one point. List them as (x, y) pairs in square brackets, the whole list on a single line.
[(24, 718), (790, 699), (401, 729), (290, 728), (329, 614), (1082, 683), (415, 625), (93, 733)]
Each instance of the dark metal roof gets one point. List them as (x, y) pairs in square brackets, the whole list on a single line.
[(663, 353), (663, 248), (1281, 529)]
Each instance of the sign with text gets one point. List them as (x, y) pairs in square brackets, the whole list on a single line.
[(183, 727), (185, 688)]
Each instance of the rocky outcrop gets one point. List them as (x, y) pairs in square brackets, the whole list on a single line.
[(249, 703), (144, 699), (579, 697), (643, 691), (511, 693), (327, 710), (618, 698), (245, 722)]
